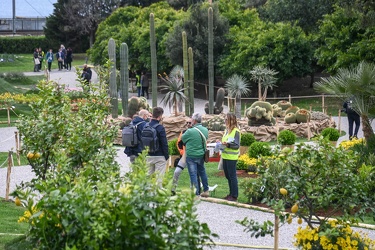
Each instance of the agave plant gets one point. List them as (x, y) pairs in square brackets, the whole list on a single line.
[(174, 85), (237, 86), (265, 78)]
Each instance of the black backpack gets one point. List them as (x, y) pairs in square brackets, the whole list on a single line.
[(129, 135), (150, 138)]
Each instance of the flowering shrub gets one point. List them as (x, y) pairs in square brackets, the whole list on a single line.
[(351, 143), (245, 161), (8, 99), (333, 236)]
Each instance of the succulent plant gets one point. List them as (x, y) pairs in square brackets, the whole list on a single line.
[(303, 116), (216, 123), (292, 109), (284, 105), (290, 118)]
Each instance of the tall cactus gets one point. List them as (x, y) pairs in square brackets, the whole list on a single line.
[(210, 60), (191, 77), (112, 79), (124, 64), (153, 61), (186, 71)]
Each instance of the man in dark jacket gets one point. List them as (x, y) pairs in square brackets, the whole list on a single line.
[(140, 122), (353, 117), (157, 161)]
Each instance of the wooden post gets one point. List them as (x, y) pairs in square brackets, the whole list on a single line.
[(323, 103), (308, 130), (339, 125), (244, 112), (17, 148), (290, 98), (276, 239), (10, 160), (310, 108), (8, 112), (277, 127)]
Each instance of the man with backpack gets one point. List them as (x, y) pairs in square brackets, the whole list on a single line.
[(131, 135), (154, 138)]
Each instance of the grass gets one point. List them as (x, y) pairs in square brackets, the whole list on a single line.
[(4, 160), (10, 228), (25, 63)]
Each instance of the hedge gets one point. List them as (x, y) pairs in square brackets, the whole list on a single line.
[(22, 44)]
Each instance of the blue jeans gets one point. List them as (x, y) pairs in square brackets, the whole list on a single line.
[(195, 168), (229, 167), (139, 91)]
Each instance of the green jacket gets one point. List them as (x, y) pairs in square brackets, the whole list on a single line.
[(192, 139)]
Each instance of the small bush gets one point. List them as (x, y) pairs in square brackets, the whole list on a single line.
[(331, 134), (286, 137), (247, 139), (172, 147), (258, 149)]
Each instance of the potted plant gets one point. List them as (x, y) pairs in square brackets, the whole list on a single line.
[(173, 152), (287, 138), (246, 140), (258, 149), (331, 134)]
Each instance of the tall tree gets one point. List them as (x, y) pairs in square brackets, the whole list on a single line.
[(84, 16)]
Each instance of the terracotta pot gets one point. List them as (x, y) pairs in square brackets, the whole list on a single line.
[(334, 143), (287, 146), (244, 150)]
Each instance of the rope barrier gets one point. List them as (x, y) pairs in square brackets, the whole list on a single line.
[(6, 160)]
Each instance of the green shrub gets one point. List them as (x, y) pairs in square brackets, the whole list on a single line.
[(172, 147), (252, 189), (258, 149), (247, 139), (331, 134), (286, 137)]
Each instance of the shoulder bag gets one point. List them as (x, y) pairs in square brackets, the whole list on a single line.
[(206, 156)]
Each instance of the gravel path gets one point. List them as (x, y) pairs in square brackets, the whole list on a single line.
[(219, 217)]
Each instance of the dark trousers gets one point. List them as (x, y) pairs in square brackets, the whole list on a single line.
[(49, 66), (353, 119), (40, 65), (229, 167), (60, 63), (145, 90)]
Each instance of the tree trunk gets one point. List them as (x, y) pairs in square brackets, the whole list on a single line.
[(366, 127)]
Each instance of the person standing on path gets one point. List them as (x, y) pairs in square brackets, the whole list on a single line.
[(36, 60), (69, 59), (60, 59), (353, 118), (145, 84), (157, 161), (195, 139), (138, 83), (139, 121), (49, 59), (231, 142)]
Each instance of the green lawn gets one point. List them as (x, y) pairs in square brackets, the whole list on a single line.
[(4, 158), (10, 228)]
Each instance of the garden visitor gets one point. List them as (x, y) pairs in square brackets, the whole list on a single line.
[(182, 161), (62, 47), (353, 117), (139, 121), (49, 59), (144, 84), (195, 140), (157, 161), (69, 59), (41, 57), (89, 72), (60, 56), (36, 60), (231, 149), (138, 83)]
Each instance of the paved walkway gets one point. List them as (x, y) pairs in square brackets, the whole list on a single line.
[(219, 217)]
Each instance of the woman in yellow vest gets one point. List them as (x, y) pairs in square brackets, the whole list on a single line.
[(231, 149)]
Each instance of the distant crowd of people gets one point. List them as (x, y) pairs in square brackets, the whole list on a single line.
[(64, 58)]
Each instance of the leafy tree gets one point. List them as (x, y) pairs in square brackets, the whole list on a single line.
[(138, 3), (131, 25), (281, 47), (183, 4), (306, 13), (196, 27), (237, 86), (57, 31), (356, 83), (344, 41)]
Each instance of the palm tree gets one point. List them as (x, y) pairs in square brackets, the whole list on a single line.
[(358, 84), (237, 86), (265, 78), (174, 85)]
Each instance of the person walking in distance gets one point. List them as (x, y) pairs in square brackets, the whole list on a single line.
[(195, 140), (353, 119), (139, 121), (231, 150), (69, 59), (49, 59), (41, 58), (144, 83), (154, 138), (60, 59), (36, 60)]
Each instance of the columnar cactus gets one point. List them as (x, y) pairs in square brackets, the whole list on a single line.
[(133, 106), (124, 63), (112, 79), (154, 67), (191, 77), (186, 71), (210, 60)]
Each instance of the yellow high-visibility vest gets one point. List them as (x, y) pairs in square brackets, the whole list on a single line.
[(230, 153)]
